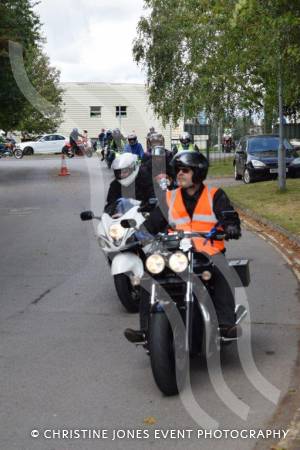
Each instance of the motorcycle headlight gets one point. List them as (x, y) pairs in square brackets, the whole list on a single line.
[(178, 262), (116, 231), (256, 163), (155, 263)]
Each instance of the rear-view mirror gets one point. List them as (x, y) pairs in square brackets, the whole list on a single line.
[(128, 223), (86, 215)]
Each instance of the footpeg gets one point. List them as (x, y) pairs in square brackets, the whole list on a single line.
[(141, 343), (224, 339)]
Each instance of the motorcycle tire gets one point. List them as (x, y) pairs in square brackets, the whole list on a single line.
[(28, 151), (162, 354), (127, 294), (89, 153), (66, 152), (18, 153)]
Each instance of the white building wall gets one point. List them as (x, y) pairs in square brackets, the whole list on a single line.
[(79, 97)]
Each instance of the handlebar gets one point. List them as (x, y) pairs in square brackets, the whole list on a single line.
[(213, 235)]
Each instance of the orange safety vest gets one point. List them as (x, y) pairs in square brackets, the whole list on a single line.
[(203, 219)]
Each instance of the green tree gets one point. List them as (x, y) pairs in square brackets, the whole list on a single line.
[(271, 40), (221, 56), (45, 79), (19, 23)]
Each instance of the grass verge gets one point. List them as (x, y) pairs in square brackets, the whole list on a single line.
[(264, 198), (221, 168)]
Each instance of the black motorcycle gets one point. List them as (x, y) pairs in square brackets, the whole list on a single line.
[(179, 283)]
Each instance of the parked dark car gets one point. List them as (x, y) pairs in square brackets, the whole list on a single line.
[(256, 158)]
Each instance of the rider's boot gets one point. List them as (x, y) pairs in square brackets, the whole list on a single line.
[(135, 336)]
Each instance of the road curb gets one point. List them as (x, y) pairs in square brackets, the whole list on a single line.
[(290, 253), (292, 441), (262, 220)]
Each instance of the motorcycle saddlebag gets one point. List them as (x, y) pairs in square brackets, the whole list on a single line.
[(242, 268)]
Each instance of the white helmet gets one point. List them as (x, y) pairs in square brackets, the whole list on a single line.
[(125, 168), (185, 138)]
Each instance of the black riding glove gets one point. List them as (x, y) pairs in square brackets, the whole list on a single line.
[(232, 232)]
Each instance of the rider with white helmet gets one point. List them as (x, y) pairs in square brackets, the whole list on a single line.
[(131, 181), (126, 168)]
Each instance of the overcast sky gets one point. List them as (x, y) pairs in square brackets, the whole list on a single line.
[(91, 40)]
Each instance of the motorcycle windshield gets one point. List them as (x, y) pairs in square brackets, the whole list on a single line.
[(123, 205)]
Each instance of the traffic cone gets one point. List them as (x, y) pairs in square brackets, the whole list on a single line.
[(64, 169)]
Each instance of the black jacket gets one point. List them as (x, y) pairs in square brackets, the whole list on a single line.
[(156, 166)]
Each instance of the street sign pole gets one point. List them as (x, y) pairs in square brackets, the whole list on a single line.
[(281, 150)]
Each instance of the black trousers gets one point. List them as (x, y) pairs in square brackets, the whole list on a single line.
[(222, 298), (74, 145)]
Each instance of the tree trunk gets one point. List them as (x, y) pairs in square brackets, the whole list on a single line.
[(268, 117), (220, 135)]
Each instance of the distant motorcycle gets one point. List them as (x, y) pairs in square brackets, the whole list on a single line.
[(228, 145), (84, 148), (9, 149)]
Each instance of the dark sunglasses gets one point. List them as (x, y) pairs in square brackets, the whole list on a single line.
[(183, 169)]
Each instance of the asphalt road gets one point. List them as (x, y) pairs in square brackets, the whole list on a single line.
[(63, 359)]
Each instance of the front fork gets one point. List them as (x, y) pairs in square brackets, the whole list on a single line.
[(188, 302), (189, 305)]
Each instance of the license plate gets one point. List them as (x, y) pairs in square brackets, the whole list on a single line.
[(276, 170)]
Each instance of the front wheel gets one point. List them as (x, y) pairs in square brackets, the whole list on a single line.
[(247, 177), (162, 354), (89, 153), (18, 153), (128, 294)]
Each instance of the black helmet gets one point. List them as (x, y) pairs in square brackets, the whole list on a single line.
[(194, 160)]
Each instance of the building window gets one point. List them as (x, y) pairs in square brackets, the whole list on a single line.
[(121, 111), (95, 111)]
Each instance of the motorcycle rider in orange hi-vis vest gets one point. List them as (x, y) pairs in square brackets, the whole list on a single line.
[(196, 207)]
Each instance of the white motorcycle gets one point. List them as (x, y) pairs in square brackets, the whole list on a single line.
[(123, 250)]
